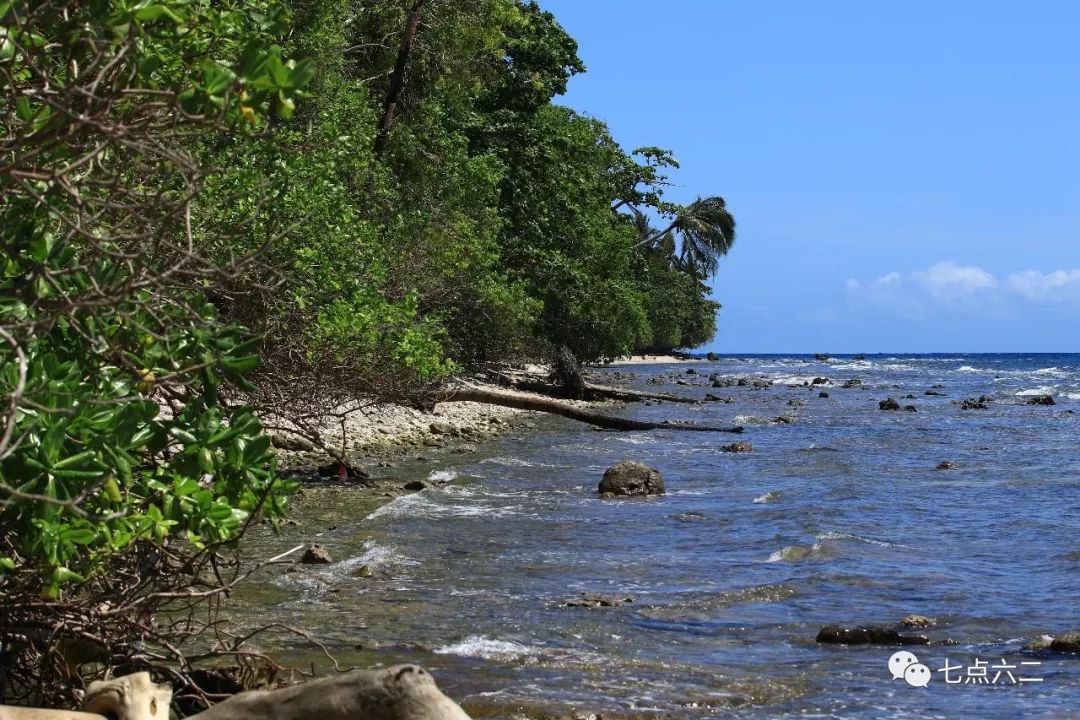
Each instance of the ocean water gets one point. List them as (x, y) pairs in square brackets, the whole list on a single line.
[(838, 517)]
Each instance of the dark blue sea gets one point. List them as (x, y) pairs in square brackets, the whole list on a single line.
[(838, 516)]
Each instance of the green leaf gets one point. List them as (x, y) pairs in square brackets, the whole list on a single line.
[(241, 364)]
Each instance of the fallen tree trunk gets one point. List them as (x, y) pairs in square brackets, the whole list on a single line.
[(523, 401), (615, 392)]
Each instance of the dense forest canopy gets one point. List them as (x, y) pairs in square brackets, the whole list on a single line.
[(214, 209)]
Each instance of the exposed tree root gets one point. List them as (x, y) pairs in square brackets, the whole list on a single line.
[(524, 401)]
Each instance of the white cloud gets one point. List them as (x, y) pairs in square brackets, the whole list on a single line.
[(968, 286), (1056, 286), (948, 281)]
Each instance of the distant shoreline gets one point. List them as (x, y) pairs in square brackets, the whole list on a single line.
[(648, 360)]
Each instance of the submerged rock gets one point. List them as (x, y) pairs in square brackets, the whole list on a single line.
[(1041, 400), (934, 393), (946, 465), (867, 635), (595, 600), (631, 478), (738, 447), (1041, 642), (910, 408), (1067, 642), (852, 383), (415, 486), (974, 404), (888, 404), (316, 555), (823, 394), (783, 420)]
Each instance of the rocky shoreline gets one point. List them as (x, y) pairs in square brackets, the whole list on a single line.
[(377, 433)]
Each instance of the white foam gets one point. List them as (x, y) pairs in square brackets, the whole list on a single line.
[(968, 369), (375, 555), (424, 505), (442, 476), (1041, 390), (480, 646), (869, 541)]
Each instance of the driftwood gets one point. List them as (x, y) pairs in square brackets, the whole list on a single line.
[(401, 692), (524, 401), (131, 697), (624, 393), (8, 712)]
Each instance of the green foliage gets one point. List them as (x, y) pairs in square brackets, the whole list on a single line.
[(113, 362)]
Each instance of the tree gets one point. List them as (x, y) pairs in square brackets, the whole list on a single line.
[(126, 465), (706, 231)]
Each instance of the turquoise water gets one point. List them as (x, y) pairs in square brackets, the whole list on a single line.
[(838, 517)]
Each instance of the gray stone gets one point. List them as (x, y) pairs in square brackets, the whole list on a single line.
[(316, 555), (867, 635), (630, 477), (1067, 642)]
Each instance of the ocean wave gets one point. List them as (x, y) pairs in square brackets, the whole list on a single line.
[(514, 462), (794, 553), (826, 536), (481, 646), (1041, 390), (375, 556), (442, 476), (428, 505)]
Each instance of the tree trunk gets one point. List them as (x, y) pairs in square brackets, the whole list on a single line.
[(567, 374), (523, 401), (658, 234), (397, 78)]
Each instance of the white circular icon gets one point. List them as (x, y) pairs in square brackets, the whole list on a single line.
[(899, 662), (917, 675)]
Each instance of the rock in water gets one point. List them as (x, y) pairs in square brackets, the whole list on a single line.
[(630, 477), (415, 486), (316, 555), (867, 635), (946, 465), (1041, 400), (889, 404), (738, 447), (917, 621), (1067, 642), (596, 600), (974, 404), (853, 382)]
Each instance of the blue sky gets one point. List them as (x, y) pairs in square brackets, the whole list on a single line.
[(905, 176)]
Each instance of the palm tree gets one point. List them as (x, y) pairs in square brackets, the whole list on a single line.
[(706, 231)]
